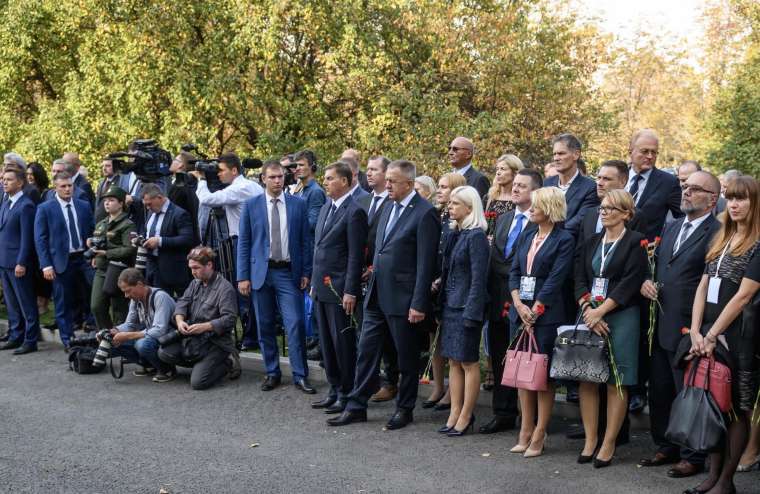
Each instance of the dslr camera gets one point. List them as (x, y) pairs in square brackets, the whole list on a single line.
[(141, 259), (98, 243), (104, 349)]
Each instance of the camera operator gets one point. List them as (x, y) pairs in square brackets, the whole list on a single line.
[(182, 189), (148, 319), (110, 252), (206, 313), (169, 237)]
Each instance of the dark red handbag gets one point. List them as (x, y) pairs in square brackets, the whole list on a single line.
[(719, 384)]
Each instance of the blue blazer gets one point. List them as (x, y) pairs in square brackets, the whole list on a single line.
[(51, 236), (661, 194), (405, 260), (314, 197), (580, 196), (360, 194), (551, 267), (253, 240), (17, 234), (465, 272)]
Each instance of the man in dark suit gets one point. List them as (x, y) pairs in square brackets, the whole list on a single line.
[(398, 295), (79, 179), (61, 228), (168, 237), (59, 166), (680, 265), (182, 189), (461, 151), (654, 191), (16, 255), (341, 234), (580, 191), (612, 175), (274, 263), (508, 229), (361, 177), (357, 191)]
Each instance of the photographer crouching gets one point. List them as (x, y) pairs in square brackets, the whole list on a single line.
[(205, 316), (148, 319)]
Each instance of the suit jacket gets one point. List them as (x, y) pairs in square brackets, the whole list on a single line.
[(498, 265), (182, 193), (83, 184), (680, 274), (315, 198), (464, 276), (253, 240), (404, 262), (661, 194), (339, 251), (590, 217), (552, 266), (17, 234), (626, 269), (51, 235), (478, 180), (359, 193), (177, 239), (580, 196), (30, 191), (366, 202)]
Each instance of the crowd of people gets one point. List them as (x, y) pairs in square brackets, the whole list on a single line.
[(372, 269)]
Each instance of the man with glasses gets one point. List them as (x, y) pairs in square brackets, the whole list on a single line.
[(613, 174), (460, 155), (680, 265)]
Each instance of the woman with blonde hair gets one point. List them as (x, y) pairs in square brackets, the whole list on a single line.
[(425, 186), (463, 298), (499, 197)]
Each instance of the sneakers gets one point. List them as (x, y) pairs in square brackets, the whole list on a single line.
[(144, 372), (165, 377)]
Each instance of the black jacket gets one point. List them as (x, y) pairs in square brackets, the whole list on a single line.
[(478, 180), (661, 194), (177, 239)]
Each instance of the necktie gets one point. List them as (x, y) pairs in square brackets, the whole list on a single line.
[(154, 225), (276, 238), (684, 234), (635, 186), (373, 208), (520, 218), (73, 235), (393, 219), (330, 215)]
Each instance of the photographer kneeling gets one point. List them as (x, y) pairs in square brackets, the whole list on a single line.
[(148, 319), (205, 316)]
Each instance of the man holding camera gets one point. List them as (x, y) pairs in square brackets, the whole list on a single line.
[(205, 316), (148, 319)]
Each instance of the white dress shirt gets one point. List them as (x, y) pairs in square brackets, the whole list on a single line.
[(64, 210), (281, 207), (232, 198), (404, 203), (564, 188), (514, 220), (464, 169), (15, 197), (159, 223), (642, 183), (694, 225)]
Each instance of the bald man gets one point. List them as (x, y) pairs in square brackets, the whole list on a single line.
[(461, 151)]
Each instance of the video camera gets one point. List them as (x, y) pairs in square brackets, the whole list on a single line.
[(210, 167), (145, 158)]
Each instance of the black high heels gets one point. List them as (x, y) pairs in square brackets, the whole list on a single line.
[(432, 403), (457, 433), (445, 429), (602, 463), (583, 459)]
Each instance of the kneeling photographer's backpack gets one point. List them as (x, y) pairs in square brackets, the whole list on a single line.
[(80, 360)]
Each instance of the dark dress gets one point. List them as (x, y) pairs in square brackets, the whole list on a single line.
[(741, 341), (496, 206)]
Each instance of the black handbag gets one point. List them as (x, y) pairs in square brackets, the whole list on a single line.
[(111, 281), (695, 419), (580, 356)]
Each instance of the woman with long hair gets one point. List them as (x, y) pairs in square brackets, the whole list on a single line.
[(499, 197)]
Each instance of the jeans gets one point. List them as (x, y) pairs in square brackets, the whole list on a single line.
[(144, 351)]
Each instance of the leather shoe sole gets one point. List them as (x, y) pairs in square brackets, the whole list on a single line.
[(348, 417), (497, 425), (326, 403)]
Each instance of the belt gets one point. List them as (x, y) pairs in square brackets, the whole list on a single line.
[(74, 255), (279, 264)]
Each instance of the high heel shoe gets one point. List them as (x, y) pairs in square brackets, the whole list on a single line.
[(755, 465), (519, 448), (457, 433), (529, 453), (602, 463), (583, 459), (445, 429), (432, 403)]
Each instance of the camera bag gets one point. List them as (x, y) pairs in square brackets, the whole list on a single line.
[(80, 360)]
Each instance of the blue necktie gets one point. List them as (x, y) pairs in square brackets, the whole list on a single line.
[(635, 186), (514, 234), (393, 219), (152, 231), (75, 243)]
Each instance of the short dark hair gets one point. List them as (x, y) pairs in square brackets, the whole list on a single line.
[(131, 277), (268, 164), (231, 160), (18, 172), (202, 254), (343, 170), (152, 190), (306, 154), (384, 162), (619, 165), (535, 178), (406, 167)]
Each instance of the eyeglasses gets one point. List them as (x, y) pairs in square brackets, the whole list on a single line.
[(455, 149), (649, 152), (695, 188), (608, 209)]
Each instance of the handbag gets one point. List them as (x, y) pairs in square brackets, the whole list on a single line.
[(695, 418), (580, 355), (111, 280), (719, 384), (524, 367), (195, 347)]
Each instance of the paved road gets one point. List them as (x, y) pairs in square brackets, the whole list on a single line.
[(62, 432)]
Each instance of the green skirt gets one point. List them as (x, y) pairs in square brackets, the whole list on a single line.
[(625, 333)]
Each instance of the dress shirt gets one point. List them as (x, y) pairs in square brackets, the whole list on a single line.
[(152, 321), (642, 183), (464, 169), (514, 219), (15, 197), (159, 223), (281, 207), (232, 198), (404, 203), (339, 201), (694, 224), (65, 210), (564, 188), (380, 202)]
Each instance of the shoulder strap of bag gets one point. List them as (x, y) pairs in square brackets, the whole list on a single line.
[(116, 375)]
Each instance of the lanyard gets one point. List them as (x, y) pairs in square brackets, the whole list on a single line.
[(609, 252), (723, 254)]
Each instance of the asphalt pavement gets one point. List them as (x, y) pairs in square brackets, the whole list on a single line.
[(62, 432)]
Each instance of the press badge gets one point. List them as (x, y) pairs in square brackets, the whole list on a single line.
[(713, 289), (527, 287), (599, 288)]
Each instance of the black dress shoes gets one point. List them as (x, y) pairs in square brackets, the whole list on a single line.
[(657, 460), (303, 385), (400, 419), (498, 424), (348, 417), (24, 349), (270, 382), (636, 404), (325, 403), (336, 407), (10, 345)]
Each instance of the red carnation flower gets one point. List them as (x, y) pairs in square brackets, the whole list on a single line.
[(599, 298), (587, 297), (644, 243), (657, 240), (540, 309)]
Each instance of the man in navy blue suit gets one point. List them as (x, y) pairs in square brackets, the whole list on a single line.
[(59, 166), (336, 283), (398, 295), (17, 240), (274, 263), (580, 191), (461, 151), (61, 228)]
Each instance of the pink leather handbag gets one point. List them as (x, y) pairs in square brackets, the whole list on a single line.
[(524, 367)]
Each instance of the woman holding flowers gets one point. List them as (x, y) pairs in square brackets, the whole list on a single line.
[(730, 282), (542, 263), (609, 268)]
